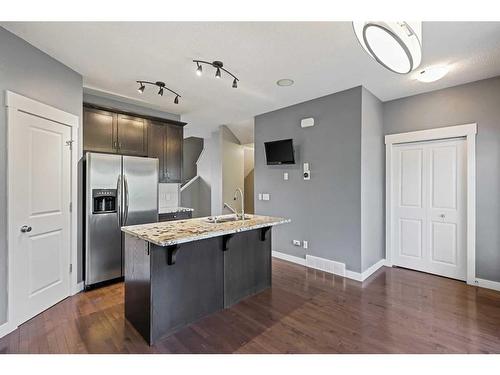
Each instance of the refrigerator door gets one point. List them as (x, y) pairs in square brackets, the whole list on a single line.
[(140, 190), (103, 256)]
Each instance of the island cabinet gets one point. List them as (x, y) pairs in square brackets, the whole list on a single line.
[(168, 286)]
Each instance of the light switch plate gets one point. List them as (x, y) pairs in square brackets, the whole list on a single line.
[(260, 196), (305, 244), (285, 176), (266, 196)]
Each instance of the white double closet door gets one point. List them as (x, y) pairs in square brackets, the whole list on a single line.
[(429, 207)]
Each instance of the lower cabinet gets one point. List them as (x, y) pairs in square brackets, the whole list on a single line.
[(176, 216)]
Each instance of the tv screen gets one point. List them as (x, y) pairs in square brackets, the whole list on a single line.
[(279, 152)]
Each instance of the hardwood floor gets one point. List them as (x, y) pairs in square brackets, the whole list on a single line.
[(306, 311)]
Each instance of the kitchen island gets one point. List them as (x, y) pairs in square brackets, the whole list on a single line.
[(179, 271)]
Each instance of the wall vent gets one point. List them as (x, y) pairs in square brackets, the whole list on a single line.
[(325, 265)]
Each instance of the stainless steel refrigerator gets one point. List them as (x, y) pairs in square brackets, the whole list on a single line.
[(120, 190)]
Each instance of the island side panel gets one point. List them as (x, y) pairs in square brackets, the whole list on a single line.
[(138, 285), (247, 264), (189, 289)]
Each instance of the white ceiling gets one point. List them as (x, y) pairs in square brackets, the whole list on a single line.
[(321, 57)]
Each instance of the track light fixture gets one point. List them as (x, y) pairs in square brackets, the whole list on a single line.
[(161, 85), (219, 66)]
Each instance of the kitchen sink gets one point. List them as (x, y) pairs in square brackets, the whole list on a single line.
[(225, 219)]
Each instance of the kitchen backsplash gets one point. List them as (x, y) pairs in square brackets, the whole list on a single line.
[(168, 195)]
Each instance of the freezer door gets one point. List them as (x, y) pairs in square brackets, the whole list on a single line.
[(140, 190), (103, 257)]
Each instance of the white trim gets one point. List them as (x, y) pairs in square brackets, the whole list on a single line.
[(357, 276), (495, 285), (15, 102), (7, 328), (78, 288), (184, 187), (469, 132), (290, 258), (24, 104)]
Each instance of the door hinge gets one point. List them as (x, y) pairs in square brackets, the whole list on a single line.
[(70, 144), (70, 268)]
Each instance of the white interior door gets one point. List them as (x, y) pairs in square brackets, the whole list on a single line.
[(39, 205), (429, 207)]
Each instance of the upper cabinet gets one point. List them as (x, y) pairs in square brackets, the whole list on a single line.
[(129, 134), (165, 143), (132, 135), (99, 130), (174, 142)]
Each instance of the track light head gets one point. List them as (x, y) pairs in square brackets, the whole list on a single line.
[(235, 84), (141, 88), (161, 91), (217, 73), (176, 100), (199, 71)]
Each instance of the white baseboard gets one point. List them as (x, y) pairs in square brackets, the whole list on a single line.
[(289, 258), (495, 285), (78, 288), (6, 328), (330, 266)]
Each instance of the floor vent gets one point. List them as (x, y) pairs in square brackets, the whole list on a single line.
[(325, 265)]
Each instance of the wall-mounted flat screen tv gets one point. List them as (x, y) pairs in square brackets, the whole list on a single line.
[(279, 152)]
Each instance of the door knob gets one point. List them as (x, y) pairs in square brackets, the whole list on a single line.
[(25, 228)]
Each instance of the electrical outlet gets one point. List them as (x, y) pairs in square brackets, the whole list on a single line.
[(305, 244), (266, 196), (296, 242), (285, 176)]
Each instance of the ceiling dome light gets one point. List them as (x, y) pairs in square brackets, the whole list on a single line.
[(432, 73), (199, 71), (285, 82), (395, 45)]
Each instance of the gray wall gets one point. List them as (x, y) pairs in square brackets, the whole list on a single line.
[(106, 100), (325, 210), (232, 169), (29, 72), (192, 148), (477, 102), (372, 181)]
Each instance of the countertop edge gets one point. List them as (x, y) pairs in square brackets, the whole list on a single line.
[(204, 236)]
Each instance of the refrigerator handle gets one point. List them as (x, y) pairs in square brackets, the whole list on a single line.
[(119, 200), (125, 210)]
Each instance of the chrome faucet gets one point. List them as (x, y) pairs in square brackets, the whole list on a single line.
[(238, 215)]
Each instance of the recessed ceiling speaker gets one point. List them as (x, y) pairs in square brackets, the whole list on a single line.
[(307, 122), (396, 46)]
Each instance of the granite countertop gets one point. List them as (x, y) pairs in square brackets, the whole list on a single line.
[(169, 210), (181, 231)]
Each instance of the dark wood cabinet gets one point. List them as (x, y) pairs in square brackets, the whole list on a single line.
[(156, 146), (112, 131), (174, 142), (99, 130), (132, 135), (165, 143), (170, 216)]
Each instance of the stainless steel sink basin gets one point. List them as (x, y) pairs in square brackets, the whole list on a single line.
[(225, 219)]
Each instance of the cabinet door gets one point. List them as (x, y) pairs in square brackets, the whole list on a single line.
[(156, 147), (175, 139), (132, 135), (99, 130)]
